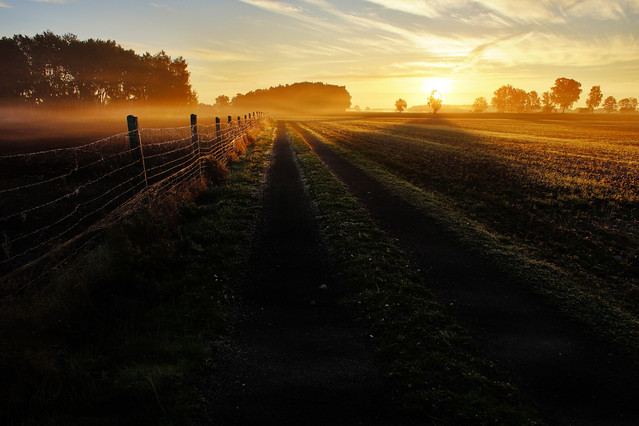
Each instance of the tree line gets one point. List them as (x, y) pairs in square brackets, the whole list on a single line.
[(48, 69), (294, 98), (562, 95)]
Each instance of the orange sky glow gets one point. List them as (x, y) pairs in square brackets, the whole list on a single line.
[(380, 50)]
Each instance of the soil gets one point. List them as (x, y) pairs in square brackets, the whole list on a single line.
[(295, 355), (571, 376)]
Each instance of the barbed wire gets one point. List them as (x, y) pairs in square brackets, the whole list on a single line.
[(94, 186)]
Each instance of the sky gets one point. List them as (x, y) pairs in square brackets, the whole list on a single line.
[(381, 50)]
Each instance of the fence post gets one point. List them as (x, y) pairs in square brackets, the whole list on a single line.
[(231, 132), (136, 143), (195, 139), (218, 136)]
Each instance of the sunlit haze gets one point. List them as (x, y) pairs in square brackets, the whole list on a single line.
[(380, 50)]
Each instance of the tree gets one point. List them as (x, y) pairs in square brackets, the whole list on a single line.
[(400, 105), (534, 103), (357, 108), (628, 105), (480, 104), (610, 104), (594, 98), (547, 102), (435, 101), (501, 100), (222, 103), (565, 92)]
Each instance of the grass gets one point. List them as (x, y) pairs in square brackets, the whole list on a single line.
[(575, 291), (121, 336), (434, 367)]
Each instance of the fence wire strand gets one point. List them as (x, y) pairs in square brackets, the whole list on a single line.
[(55, 202)]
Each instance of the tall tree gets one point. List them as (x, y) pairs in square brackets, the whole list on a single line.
[(435, 101), (594, 98), (628, 105), (565, 92), (547, 103), (534, 103), (610, 104), (400, 105), (14, 71), (480, 104), (501, 100)]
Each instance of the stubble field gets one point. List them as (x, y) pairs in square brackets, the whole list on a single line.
[(564, 189)]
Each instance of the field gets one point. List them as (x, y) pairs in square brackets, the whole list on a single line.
[(562, 188), (529, 222)]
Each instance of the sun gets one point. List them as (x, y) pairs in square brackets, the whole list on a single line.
[(442, 85)]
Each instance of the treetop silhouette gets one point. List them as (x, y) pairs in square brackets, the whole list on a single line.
[(48, 69)]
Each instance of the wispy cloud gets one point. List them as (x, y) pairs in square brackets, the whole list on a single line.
[(53, 1), (3, 4), (210, 55), (161, 6)]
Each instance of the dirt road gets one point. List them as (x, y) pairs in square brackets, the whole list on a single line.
[(295, 356)]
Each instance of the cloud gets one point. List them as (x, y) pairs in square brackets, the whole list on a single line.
[(520, 11), (414, 7), (161, 6), (210, 55), (3, 4), (275, 6), (53, 1)]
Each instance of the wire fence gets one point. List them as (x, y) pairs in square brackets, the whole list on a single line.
[(54, 202)]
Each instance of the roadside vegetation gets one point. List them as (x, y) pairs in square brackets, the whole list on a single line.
[(122, 334), (435, 370), (553, 205)]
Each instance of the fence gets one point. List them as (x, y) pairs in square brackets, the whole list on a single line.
[(54, 202)]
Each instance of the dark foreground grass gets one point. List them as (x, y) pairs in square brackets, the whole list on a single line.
[(436, 371), (122, 335)]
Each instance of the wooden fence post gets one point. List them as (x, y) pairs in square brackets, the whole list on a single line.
[(231, 132), (218, 134), (195, 139), (135, 143)]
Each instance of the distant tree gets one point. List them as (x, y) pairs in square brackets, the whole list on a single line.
[(222, 103), (400, 105), (547, 102), (357, 108), (533, 102), (628, 105), (480, 104), (501, 100), (565, 92), (594, 98), (435, 101), (367, 108), (610, 104)]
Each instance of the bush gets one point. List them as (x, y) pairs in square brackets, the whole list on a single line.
[(215, 172)]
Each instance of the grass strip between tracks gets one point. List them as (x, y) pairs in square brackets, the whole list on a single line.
[(434, 367)]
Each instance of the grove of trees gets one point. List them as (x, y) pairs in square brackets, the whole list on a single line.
[(48, 69), (564, 93), (510, 99), (295, 98)]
